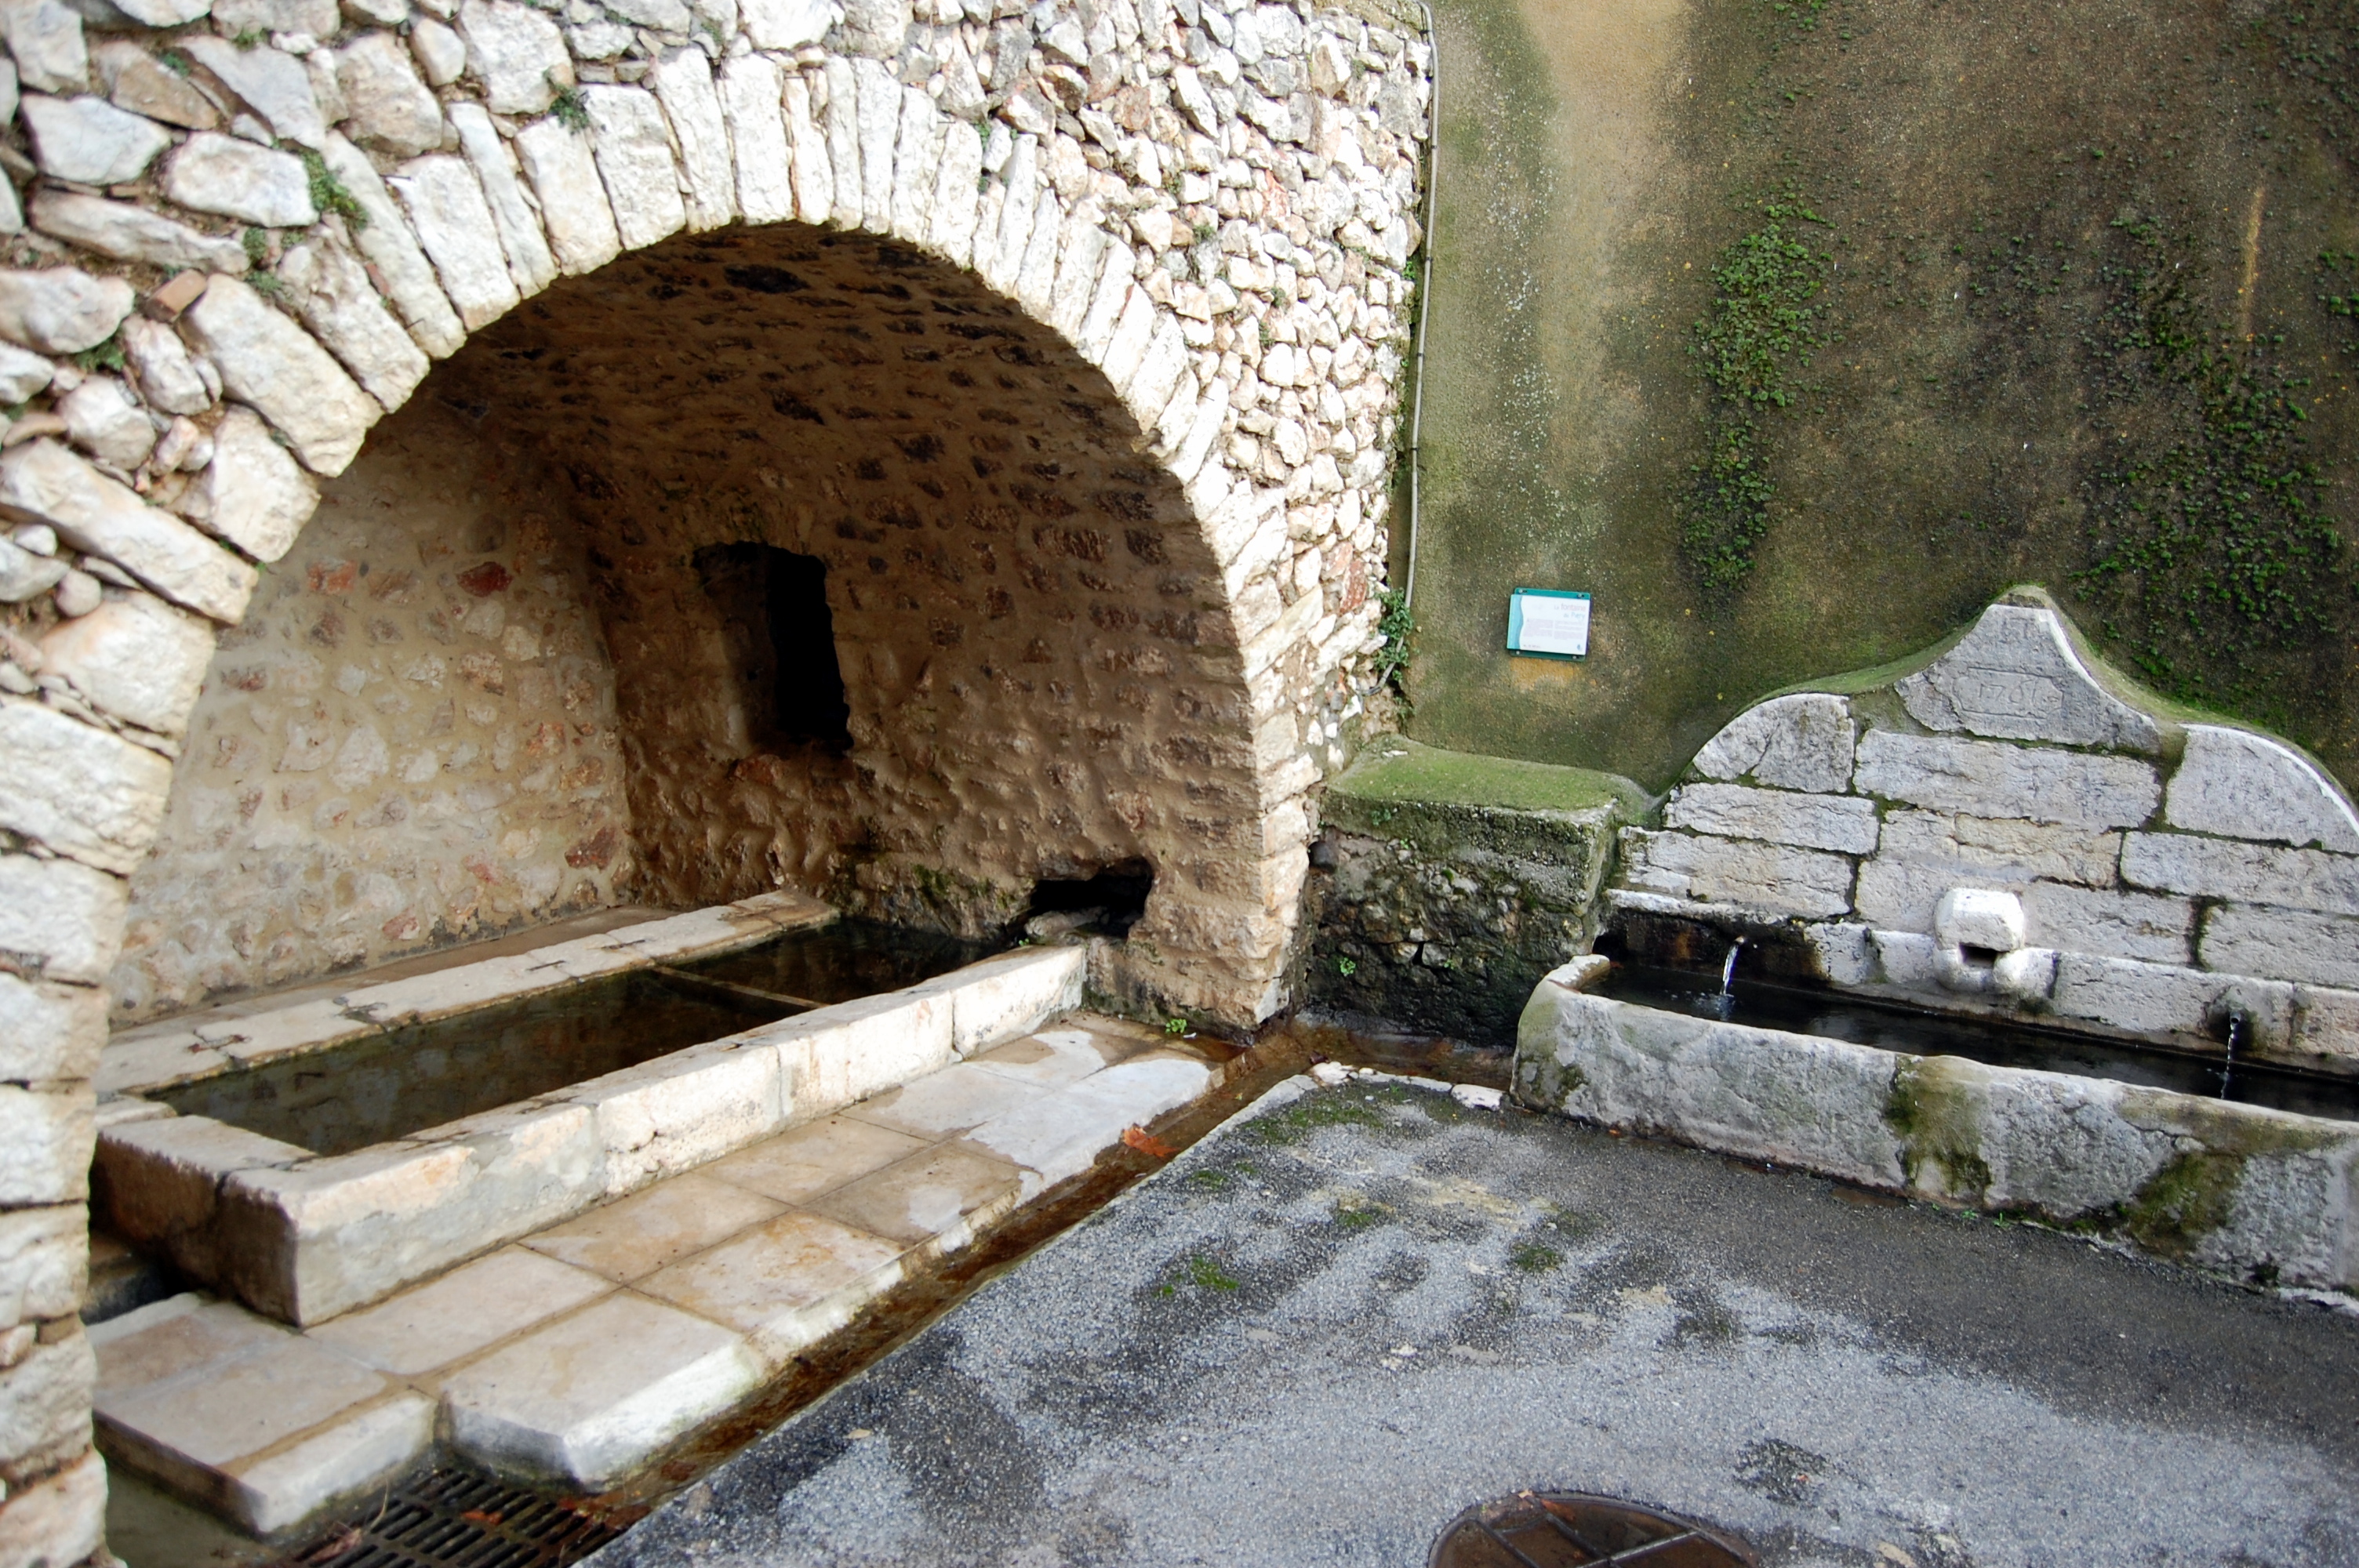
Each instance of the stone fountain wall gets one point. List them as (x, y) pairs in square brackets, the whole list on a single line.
[(238, 236)]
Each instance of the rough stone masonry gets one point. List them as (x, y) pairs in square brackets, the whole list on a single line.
[(240, 233)]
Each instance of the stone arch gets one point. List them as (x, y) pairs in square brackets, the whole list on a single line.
[(255, 224)]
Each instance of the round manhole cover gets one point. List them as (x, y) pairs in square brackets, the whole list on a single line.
[(1564, 1530)]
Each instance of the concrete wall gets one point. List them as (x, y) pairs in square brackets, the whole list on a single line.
[(410, 739)]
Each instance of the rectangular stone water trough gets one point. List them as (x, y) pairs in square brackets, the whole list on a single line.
[(301, 1236)]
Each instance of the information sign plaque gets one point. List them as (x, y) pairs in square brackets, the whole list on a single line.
[(1549, 623)]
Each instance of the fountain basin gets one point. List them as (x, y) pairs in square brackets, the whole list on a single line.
[(2263, 1193)]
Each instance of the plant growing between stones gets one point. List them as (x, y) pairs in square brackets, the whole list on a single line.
[(571, 110), (328, 192), (1398, 626), (107, 355)]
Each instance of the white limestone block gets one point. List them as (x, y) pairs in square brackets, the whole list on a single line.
[(389, 107), (1036, 275), (1766, 877), (454, 222), (442, 53), (2153, 929), (1204, 429), (1132, 330), (2162, 998), (788, 24), (814, 173), (62, 1517), (1082, 251), (2282, 944), (1114, 289), (135, 657), (47, 1031), (917, 160), (1062, 1134), (386, 239), (107, 422), (635, 162), (268, 362), (23, 373), (683, 85), (751, 96), (877, 126), (956, 193), (2015, 676), (61, 309), (2326, 1021), (1979, 917), (1799, 742), (274, 84), (89, 140), (134, 79), (313, 18), (127, 233), (65, 916), (1000, 259), (529, 260), (1840, 822), (2242, 873), (233, 177), (517, 53), (46, 1133), (345, 1457), (1149, 387), (2245, 786), (330, 291), (564, 175), (2001, 850), (45, 37), (842, 126), (41, 481), (1993, 779), (79, 790), (255, 496)]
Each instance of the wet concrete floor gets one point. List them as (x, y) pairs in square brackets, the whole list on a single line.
[(1322, 1331)]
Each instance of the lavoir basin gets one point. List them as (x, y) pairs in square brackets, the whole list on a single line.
[(311, 1160)]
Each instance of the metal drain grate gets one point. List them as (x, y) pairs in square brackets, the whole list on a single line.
[(1569, 1529), (454, 1518)]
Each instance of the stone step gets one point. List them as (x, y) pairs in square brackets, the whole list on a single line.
[(578, 1353)]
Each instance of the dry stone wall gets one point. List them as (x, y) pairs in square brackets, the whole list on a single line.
[(240, 233), (2008, 829)]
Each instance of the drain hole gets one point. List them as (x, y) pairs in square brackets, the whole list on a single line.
[(1108, 903), (1565, 1529), (456, 1519)]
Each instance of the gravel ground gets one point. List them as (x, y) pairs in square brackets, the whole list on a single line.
[(1351, 1313)]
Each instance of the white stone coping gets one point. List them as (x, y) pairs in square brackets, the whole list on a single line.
[(302, 1237), (2234, 1188), (166, 1054)]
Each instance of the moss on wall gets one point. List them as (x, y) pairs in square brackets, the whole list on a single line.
[(1797, 329)]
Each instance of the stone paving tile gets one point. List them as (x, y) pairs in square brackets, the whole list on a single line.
[(814, 1158), (586, 1398), (1060, 1135), (261, 1384), (959, 1096), (785, 1283), (939, 1196), (343, 1458), (1055, 1057), (635, 1236), (449, 1319)]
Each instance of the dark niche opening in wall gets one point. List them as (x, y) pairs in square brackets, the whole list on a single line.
[(1109, 902), (781, 644)]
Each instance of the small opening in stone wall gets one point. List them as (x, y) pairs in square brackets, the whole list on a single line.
[(781, 643), (1110, 902)]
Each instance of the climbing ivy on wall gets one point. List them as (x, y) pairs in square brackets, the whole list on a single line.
[(1767, 316)]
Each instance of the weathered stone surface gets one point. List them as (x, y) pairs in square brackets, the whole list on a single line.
[(1757, 876), (213, 173), (135, 657), (454, 223), (2015, 676), (24, 575), (135, 81), (45, 37), (64, 918), (751, 94), (1843, 823), (80, 791), (107, 422), (518, 54), (585, 1399), (634, 161), (274, 84), (341, 1461), (390, 108), (386, 241), (330, 291), (631, 1239), (61, 311), (564, 174), (267, 361), (1991, 779), (2005, 852), (45, 1404), (60, 1518), (785, 1283), (165, 13), (90, 141), (43, 481), (315, 18), (2162, 998), (465, 1311), (841, 122), (2282, 944), (788, 24), (21, 373), (48, 1031), (442, 53), (529, 262), (2214, 868), (255, 496), (2123, 924), (815, 1157), (127, 233), (2244, 785), (813, 170), (683, 85)]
